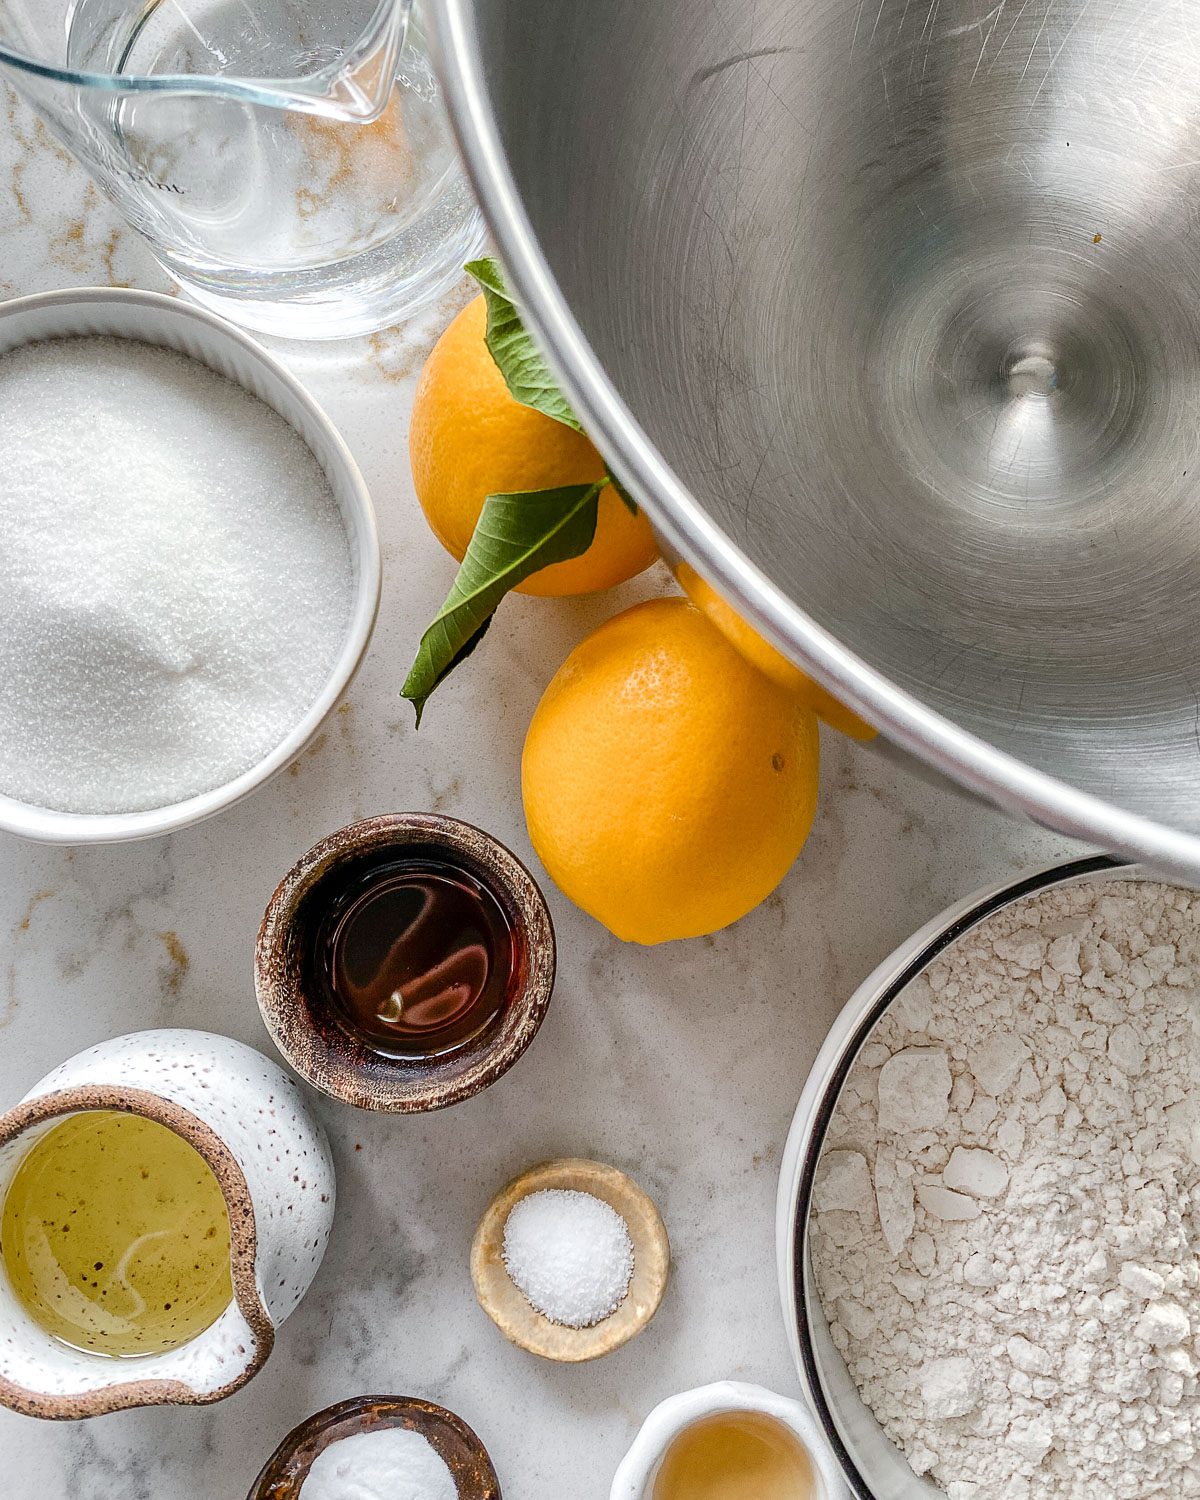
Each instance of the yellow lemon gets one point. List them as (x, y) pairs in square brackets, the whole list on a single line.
[(768, 660), (668, 786), (470, 439)]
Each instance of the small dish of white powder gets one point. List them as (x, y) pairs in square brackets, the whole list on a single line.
[(1005, 1224), (379, 1448), (387, 1463), (176, 581)]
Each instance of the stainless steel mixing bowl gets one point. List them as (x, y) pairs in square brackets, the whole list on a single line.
[(889, 311)]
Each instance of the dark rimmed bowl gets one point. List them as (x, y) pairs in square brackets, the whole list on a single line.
[(310, 1036), (449, 1436)]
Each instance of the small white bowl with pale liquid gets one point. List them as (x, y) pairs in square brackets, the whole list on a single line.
[(729, 1441)]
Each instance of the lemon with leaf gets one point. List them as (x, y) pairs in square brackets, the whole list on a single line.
[(508, 481), (470, 438)]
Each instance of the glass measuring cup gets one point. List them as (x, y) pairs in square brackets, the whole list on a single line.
[(288, 161)]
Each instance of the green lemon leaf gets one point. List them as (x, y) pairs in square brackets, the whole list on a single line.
[(517, 357), (515, 536), (630, 502)]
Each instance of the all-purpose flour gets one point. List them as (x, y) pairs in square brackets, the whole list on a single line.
[(1007, 1217)]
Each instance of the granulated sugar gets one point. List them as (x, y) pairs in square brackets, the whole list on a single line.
[(175, 577), (1006, 1232)]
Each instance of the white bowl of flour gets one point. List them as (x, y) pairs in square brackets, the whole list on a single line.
[(989, 1212), (189, 566)]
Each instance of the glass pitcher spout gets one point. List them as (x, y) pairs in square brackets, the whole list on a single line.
[(338, 60), (359, 88)]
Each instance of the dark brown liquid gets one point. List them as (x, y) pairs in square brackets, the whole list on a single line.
[(417, 955)]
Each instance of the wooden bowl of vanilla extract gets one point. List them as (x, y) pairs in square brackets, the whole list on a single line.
[(405, 962)]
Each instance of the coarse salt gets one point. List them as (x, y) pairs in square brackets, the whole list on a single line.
[(175, 577), (570, 1254)]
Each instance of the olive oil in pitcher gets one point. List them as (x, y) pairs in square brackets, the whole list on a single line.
[(115, 1236)]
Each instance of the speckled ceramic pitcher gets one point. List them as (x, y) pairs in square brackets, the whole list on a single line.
[(248, 1121)]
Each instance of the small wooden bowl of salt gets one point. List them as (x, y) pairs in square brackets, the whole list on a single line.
[(570, 1260)]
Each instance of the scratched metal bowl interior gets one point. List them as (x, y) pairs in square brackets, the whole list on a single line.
[(916, 322)]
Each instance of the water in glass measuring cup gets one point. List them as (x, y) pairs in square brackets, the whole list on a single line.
[(249, 173)]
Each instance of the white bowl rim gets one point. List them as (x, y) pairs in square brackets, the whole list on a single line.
[(845, 1037), (53, 826)]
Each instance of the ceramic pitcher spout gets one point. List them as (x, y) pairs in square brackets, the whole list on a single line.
[(246, 1119)]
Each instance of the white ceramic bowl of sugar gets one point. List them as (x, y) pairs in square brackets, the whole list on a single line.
[(150, 318)]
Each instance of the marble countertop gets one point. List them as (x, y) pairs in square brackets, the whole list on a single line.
[(681, 1065)]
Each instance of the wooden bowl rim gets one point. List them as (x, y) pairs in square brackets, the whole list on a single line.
[(320, 1050), (457, 1444)]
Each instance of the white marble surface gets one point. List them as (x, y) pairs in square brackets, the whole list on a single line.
[(681, 1065)]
